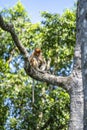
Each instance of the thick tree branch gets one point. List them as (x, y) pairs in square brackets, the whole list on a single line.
[(64, 82)]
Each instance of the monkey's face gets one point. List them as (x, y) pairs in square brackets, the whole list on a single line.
[(37, 52)]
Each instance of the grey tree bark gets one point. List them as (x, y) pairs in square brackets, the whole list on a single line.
[(73, 83), (82, 36)]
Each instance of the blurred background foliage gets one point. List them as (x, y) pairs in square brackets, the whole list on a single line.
[(55, 35)]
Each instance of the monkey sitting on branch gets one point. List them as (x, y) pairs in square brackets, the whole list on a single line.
[(38, 62)]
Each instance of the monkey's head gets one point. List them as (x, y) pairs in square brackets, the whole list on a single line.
[(37, 51)]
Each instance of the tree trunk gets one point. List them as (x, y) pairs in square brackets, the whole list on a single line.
[(82, 32), (78, 120), (76, 104)]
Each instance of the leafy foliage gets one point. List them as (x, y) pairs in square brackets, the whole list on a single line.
[(56, 36), (59, 38)]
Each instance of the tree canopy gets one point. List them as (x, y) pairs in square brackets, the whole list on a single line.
[(55, 35)]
